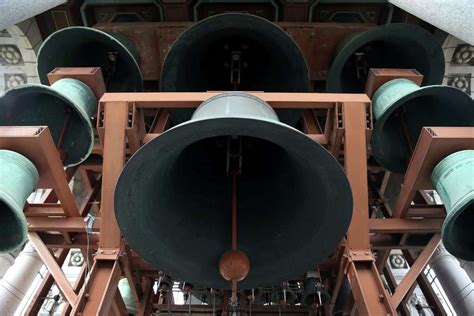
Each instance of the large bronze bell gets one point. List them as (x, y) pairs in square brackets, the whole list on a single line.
[(65, 107), (18, 179), (235, 51), (453, 178), (173, 198), (402, 109), (389, 46), (80, 46)]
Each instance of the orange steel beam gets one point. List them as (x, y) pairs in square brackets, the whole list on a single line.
[(59, 224), (76, 287), (405, 225), (43, 289), (53, 268), (194, 99), (36, 143), (370, 296), (98, 296), (415, 270), (116, 116)]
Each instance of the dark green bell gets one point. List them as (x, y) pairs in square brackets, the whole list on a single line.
[(453, 178), (402, 109), (80, 46), (235, 51), (395, 45), (18, 179), (65, 107), (177, 192)]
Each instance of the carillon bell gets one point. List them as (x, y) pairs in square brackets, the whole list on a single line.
[(233, 164), (402, 109), (396, 45), (18, 179), (453, 178), (66, 107), (235, 51), (80, 46)]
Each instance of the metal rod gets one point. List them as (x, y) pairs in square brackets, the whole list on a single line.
[(234, 211)]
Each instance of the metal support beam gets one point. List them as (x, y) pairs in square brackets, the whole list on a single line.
[(98, 296), (43, 289), (415, 270), (370, 296), (53, 268)]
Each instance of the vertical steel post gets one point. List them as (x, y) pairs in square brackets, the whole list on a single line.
[(370, 296)]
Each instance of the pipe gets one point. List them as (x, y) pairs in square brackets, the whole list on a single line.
[(6, 261), (18, 280), (456, 283), (468, 266)]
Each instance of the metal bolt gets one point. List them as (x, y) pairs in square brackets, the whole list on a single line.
[(381, 298)]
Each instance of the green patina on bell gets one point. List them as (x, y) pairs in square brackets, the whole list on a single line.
[(68, 104), (80, 46), (176, 188), (126, 293), (394, 45), (453, 178), (18, 179), (402, 109)]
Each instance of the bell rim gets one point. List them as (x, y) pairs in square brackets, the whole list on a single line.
[(42, 75), (342, 222), (39, 88), (333, 82), (433, 90), (449, 225)]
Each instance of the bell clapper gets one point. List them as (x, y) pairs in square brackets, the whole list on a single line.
[(235, 67), (111, 63), (234, 265), (361, 66)]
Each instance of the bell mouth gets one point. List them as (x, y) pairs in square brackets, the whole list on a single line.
[(388, 50), (266, 52), (80, 46), (393, 140), (13, 227), (173, 173), (456, 232), (22, 106)]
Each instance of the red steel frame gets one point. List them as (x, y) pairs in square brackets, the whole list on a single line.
[(121, 131)]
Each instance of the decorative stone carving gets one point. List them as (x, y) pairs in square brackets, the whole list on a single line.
[(463, 55), (398, 262), (10, 55), (76, 259), (460, 81), (13, 80)]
